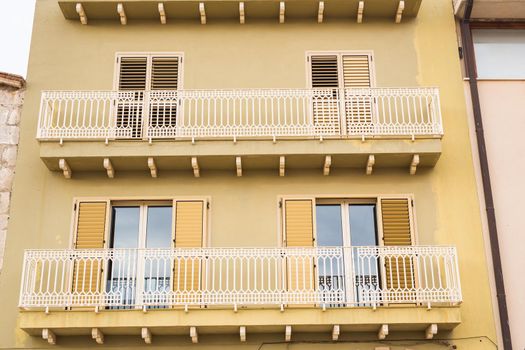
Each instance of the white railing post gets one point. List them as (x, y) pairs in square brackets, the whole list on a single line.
[(42, 120), (343, 123), (437, 118)]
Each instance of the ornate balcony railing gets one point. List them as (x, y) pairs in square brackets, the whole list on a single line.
[(260, 113), (236, 277)]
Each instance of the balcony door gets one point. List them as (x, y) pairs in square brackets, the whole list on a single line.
[(147, 94), (342, 101), (347, 224), (136, 226)]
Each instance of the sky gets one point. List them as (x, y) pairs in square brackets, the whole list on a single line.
[(16, 21)]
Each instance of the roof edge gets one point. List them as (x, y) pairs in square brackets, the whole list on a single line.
[(12, 80)]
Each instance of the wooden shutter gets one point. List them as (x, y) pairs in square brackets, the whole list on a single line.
[(299, 232), (299, 222), (132, 73), (325, 73), (164, 73), (132, 76), (90, 234), (356, 71), (395, 214), (325, 77), (189, 225), (358, 105), (164, 76)]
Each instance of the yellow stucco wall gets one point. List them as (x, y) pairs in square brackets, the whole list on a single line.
[(419, 52)]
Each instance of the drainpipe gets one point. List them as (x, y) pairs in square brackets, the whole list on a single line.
[(470, 66)]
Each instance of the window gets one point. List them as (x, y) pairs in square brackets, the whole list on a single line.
[(347, 224), (499, 53), (160, 75), (341, 70), (133, 226), (149, 71), (344, 76)]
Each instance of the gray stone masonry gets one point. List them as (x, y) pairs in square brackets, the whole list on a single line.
[(11, 100)]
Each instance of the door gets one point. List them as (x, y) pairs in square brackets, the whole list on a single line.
[(147, 98), (131, 270), (362, 224), (347, 224), (157, 264), (331, 265), (132, 78), (342, 94)]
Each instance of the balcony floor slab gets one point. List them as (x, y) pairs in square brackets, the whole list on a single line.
[(227, 9), (255, 154), (221, 321)]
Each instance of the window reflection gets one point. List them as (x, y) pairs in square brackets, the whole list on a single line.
[(329, 226), (362, 225), (128, 232), (158, 235), (122, 268), (330, 269), (158, 231), (125, 227), (363, 232)]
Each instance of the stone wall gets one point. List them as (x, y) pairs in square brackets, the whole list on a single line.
[(11, 100)]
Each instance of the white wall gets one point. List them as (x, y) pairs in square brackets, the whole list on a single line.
[(503, 112)]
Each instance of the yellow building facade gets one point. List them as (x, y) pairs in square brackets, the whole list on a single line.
[(256, 174)]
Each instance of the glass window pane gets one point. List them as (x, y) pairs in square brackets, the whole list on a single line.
[(125, 227), (157, 272), (500, 53), (363, 225), (122, 268), (363, 233), (330, 269), (158, 231), (329, 225)]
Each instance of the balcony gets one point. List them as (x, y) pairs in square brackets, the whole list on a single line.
[(407, 288), (393, 124), (214, 11)]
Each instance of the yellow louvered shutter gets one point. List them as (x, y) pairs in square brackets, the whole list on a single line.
[(132, 77), (356, 71), (395, 214), (358, 103), (189, 224), (299, 223), (325, 77), (299, 232), (90, 234), (164, 76)]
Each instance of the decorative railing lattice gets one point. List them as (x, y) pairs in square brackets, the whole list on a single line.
[(317, 277), (254, 113)]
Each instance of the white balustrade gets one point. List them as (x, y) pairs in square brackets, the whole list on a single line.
[(253, 113), (316, 277)]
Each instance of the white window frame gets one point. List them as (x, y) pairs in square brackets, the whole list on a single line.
[(142, 203), (352, 199), (339, 54), (149, 56), (344, 201), (138, 201)]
